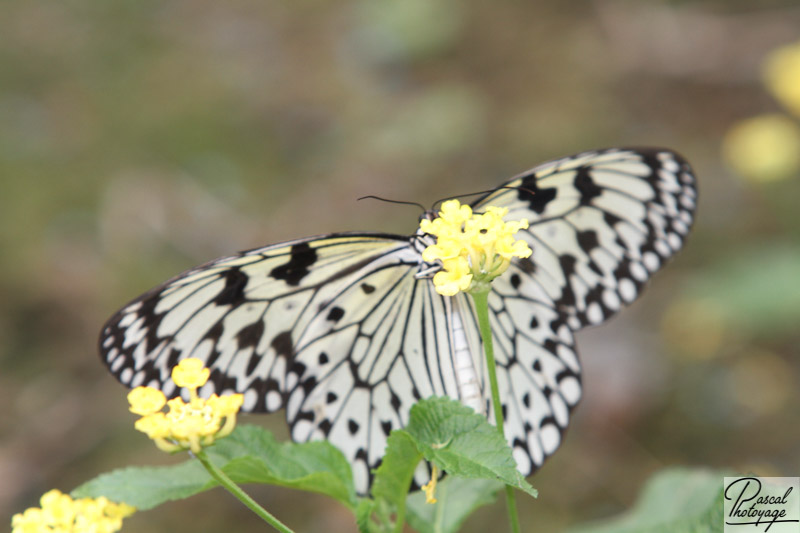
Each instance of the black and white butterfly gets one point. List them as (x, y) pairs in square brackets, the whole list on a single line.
[(345, 331)]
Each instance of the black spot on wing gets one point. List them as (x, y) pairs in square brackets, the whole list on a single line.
[(335, 314), (567, 263), (252, 364), (586, 186), (249, 335), (233, 292), (395, 401), (527, 266), (307, 384), (215, 332), (536, 198), (282, 344), (301, 256), (551, 346), (367, 288), (325, 426), (588, 240), (174, 357)]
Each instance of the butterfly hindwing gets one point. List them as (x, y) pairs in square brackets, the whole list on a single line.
[(538, 372)]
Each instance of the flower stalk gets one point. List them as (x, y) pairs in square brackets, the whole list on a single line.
[(474, 249), (481, 300), (229, 485)]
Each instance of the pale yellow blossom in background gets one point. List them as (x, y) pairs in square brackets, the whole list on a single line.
[(763, 148), (782, 76)]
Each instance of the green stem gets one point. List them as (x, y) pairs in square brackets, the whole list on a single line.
[(481, 300), (241, 495)]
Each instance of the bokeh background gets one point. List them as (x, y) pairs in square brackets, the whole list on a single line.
[(139, 138)]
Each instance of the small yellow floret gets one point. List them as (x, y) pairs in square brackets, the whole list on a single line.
[(146, 400), (59, 513), (473, 248), (455, 277), (154, 425), (190, 373), (226, 405)]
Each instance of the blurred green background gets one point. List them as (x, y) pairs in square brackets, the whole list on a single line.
[(140, 138)]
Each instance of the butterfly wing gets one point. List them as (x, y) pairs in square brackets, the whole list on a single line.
[(338, 330), (537, 367), (600, 224)]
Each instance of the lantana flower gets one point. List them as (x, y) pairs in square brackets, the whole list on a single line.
[(472, 248), (189, 425), (59, 513)]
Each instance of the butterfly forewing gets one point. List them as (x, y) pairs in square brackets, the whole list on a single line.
[(242, 315), (338, 330), (346, 331), (600, 224)]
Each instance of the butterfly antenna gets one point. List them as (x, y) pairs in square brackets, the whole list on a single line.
[(489, 191), (372, 197)]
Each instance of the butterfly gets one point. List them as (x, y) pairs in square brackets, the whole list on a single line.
[(346, 332)]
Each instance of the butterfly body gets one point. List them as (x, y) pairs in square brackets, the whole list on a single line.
[(346, 331)]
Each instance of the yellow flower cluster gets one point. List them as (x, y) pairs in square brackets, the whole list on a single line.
[(767, 147), (59, 513), (187, 425), (473, 248)]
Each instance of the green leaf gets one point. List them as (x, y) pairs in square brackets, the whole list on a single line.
[(457, 499), (252, 455), (463, 443), (249, 455), (391, 484), (676, 500), (148, 487), (460, 442), (363, 514), (393, 477)]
